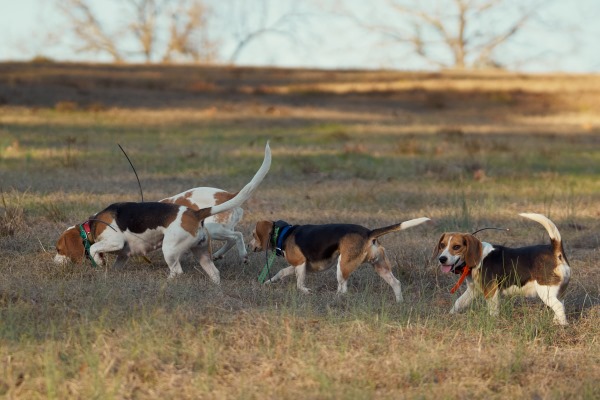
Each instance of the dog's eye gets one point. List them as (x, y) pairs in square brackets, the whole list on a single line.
[(456, 247), (442, 245)]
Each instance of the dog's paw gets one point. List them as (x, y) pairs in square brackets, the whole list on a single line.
[(305, 290)]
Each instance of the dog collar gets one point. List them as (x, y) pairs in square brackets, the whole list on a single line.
[(280, 238), (281, 230), (85, 231), (466, 272)]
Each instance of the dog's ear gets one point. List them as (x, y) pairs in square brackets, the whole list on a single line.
[(263, 232), (473, 252), (436, 250), (70, 244)]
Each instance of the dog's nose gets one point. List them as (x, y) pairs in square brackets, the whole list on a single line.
[(443, 259)]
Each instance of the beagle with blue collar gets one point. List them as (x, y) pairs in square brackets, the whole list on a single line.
[(130, 229), (314, 248), (539, 270)]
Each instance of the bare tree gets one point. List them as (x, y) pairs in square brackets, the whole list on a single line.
[(188, 34), (160, 29), (252, 20), (88, 30), (455, 33)]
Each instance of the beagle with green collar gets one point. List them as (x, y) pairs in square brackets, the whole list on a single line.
[(539, 270), (130, 229), (314, 248)]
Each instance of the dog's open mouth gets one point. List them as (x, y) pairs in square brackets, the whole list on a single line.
[(457, 267), (446, 268)]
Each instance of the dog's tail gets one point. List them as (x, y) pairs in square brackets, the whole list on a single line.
[(375, 233), (243, 194), (555, 238)]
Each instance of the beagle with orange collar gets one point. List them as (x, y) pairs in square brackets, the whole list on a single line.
[(129, 229), (539, 270), (314, 248)]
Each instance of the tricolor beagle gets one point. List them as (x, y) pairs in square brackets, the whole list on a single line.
[(541, 270), (314, 248), (129, 229)]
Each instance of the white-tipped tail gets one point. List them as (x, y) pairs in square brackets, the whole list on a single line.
[(413, 222), (549, 225), (247, 191)]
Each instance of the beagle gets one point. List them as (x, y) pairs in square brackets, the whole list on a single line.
[(129, 229), (314, 248), (220, 226), (540, 270)]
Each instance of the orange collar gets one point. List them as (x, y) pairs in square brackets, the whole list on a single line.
[(465, 273)]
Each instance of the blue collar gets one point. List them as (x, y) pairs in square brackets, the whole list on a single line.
[(280, 239)]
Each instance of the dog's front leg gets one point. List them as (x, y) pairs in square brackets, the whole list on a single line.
[(464, 300), (109, 245), (281, 274), (494, 304), (300, 276)]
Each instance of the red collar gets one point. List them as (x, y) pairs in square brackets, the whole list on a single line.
[(88, 230), (465, 273)]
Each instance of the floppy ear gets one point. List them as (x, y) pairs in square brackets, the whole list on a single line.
[(473, 252), (70, 244), (436, 250), (263, 231)]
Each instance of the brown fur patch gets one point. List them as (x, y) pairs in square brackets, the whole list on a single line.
[(293, 254), (182, 201), (263, 232), (190, 221), (99, 227), (220, 198), (353, 254), (70, 244)]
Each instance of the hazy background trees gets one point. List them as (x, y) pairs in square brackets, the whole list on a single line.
[(402, 34)]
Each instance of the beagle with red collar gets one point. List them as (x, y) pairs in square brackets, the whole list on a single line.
[(539, 270), (129, 229), (314, 248)]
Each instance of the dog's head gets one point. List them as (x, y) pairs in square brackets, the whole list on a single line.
[(261, 236), (455, 250), (69, 247)]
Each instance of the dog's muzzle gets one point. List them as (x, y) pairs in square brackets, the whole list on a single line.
[(456, 268)]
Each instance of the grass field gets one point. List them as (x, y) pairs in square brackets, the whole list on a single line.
[(372, 148)]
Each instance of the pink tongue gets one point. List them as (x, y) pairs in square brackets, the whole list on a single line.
[(446, 268)]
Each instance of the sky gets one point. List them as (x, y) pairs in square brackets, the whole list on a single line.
[(563, 37)]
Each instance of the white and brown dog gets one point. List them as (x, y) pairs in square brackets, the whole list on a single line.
[(540, 270), (129, 229), (314, 248), (220, 226)]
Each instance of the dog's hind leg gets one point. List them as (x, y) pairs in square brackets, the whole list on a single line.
[(345, 266), (203, 254), (231, 238), (383, 268), (549, 295)]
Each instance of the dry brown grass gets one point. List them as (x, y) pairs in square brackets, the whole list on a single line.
[(348, 146)]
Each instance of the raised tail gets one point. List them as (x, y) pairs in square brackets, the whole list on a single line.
[(550, 227), (246, 192), (375, 233)]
